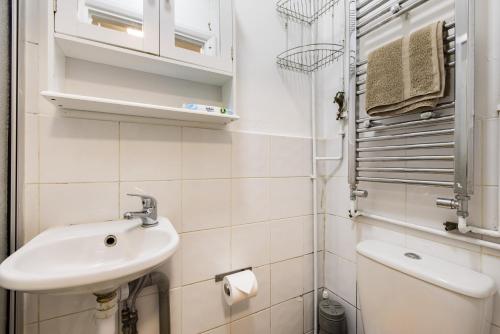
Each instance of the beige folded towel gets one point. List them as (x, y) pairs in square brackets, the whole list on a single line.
[(407, 74)]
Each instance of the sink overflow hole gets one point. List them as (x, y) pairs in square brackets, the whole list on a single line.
[(413, 256), (110, 240)]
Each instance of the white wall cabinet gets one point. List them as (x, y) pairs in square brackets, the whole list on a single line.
[(196, 32)]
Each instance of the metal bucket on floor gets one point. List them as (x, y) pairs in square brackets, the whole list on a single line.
[(332, 318)]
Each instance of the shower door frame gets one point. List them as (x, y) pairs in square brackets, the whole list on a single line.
[(16, 304)]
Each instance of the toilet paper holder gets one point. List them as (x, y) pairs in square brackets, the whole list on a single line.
[(220, 277)]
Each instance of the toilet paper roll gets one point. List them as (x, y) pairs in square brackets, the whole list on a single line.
[(240, 286)]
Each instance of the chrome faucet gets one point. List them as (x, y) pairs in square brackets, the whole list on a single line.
[(148, 215)]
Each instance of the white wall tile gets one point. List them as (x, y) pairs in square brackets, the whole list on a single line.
[(149, 152), (490, 149), (78, 323), (341, 237), (250, 245), (287, 238), (250, 200), (290, 156), (63, 204), (31, 66), (176, 311), (490, 204), (31, 329), (203, 307), (205, 153), (308, 271), (250, 155), (421, 206), (52, 306), (32, 21), (206, 204), (148, 314), (476, 207), (286, 280), (341, 277), (259, 302), (287, 317), (32, 150), (385, 199), (290, 197), (337, 197), (219, 330), (30, 308), (360, 329), (205, 254), (371, 232), (78, 150), (332, 149), (31, 211), (308, 312), (478, 151), (258, 323), (308, 234), (168, 195)]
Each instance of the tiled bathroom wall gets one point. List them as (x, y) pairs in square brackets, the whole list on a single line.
[(411, 203), (238, 197)]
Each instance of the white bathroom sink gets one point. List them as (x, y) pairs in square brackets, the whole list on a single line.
[(82, 258)]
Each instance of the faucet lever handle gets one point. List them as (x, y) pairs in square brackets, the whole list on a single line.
[(147, 201)]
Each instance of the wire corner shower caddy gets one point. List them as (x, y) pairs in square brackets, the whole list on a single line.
[(431, 148), (310, 57), (304, 11)]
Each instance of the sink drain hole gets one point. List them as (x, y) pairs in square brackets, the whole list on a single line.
[(110, 240)]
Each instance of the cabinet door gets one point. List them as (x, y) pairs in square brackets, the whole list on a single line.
[(199, 32), (133, 24)]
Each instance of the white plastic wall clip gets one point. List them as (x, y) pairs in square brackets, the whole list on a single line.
[(395, 8), (462, 39)]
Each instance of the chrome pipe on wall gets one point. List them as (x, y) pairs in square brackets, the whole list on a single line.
[(161, 281)]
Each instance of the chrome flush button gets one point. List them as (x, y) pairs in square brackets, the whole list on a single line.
[(413, 256)]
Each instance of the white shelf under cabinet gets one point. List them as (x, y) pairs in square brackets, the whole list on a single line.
[(120, 107), (102, 53)]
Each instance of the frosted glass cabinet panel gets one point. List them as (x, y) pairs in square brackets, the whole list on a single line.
[(197, 31), (133, 24)]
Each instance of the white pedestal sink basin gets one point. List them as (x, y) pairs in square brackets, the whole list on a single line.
[(88, 258)]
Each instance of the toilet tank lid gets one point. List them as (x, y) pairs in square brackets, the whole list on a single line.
[(428, 268)]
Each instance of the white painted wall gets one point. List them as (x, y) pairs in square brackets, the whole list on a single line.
[(269, 99)]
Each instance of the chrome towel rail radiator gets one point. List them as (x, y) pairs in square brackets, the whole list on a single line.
[(433, 148)]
